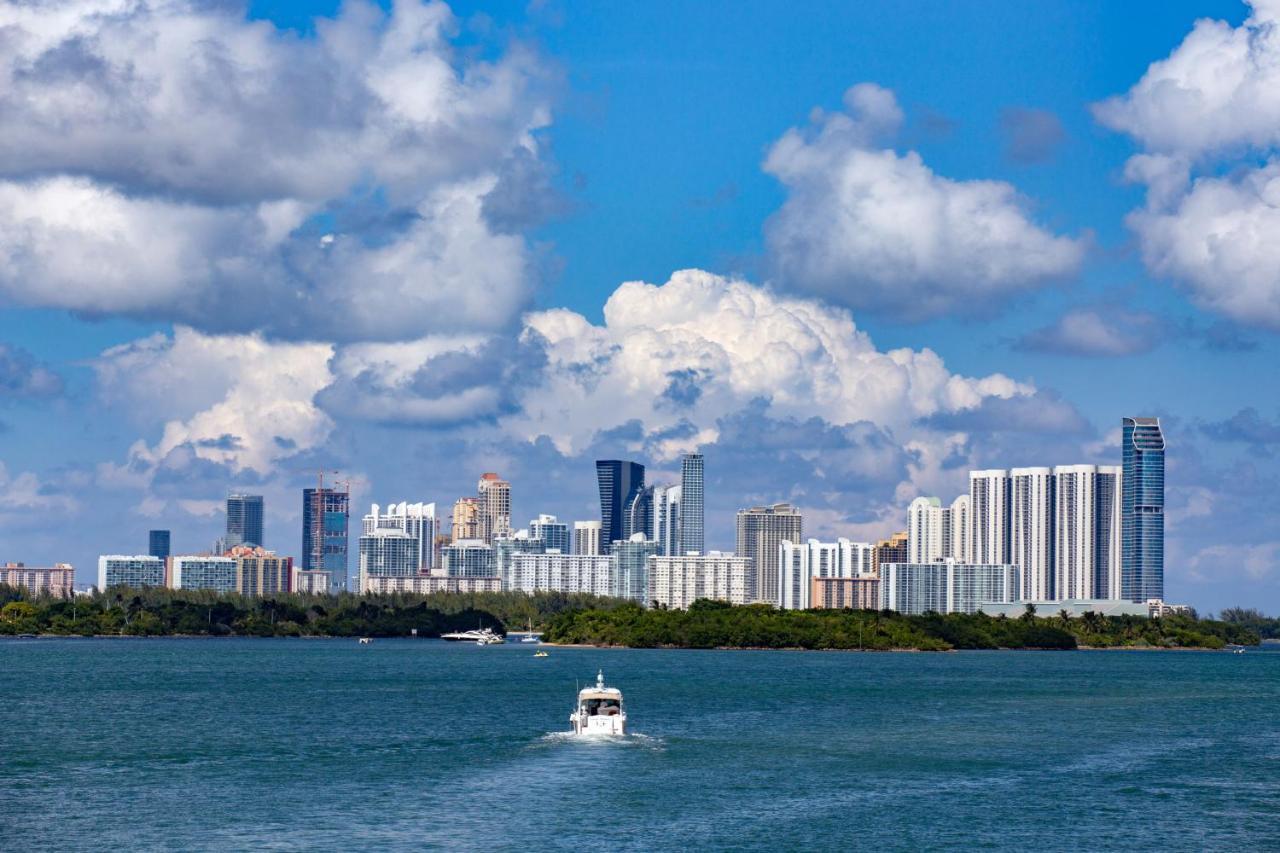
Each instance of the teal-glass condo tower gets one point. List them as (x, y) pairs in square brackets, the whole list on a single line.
[(1142, 517)]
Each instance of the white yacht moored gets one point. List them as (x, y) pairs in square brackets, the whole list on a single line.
[(599, 711), (482, 636)]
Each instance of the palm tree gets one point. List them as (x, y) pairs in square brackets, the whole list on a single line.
[(1029, 613), (1064, 615)]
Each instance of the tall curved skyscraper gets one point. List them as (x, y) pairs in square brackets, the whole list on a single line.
[(1142, 517), (620, 481)]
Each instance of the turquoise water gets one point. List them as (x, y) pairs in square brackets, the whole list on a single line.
[(323, 744)]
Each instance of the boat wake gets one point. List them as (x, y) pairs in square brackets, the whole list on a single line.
[(633, 740)]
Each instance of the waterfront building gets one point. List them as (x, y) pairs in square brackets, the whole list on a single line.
[(1107, 524), (567, 573), (1142, 514), (553, 532), (956, 528), (689, 500), (203, 571), (677, 582), (925, 526), (586, 537), (427, 584), (989, 516), (469, 558), (891, 550), (137, 571), (631, 567), (417, 520), (158, 543), (494, 499), (311, 581), (389, 551), (667, 521), (326, 523), (506, 547), (261, 572), (761, 532), (946, 587), (466, 523), (244, 521), (1031, 529), (801, 562), (845, 593), (619, 482), (58, 580)]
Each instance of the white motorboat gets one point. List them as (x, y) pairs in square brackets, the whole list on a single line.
[(599, 711), (491, 639), (481, 636)]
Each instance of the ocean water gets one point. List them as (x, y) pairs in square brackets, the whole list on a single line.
[(235, 744)]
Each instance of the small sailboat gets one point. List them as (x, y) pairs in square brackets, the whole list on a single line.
[(599, 711), (530, 637)]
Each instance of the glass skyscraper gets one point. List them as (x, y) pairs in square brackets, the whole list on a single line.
[(244, 520), (158, 543), (325, 519), (691, 513), (1142, 516), (620, 482)]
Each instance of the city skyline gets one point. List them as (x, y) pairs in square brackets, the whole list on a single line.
[(534, 276)]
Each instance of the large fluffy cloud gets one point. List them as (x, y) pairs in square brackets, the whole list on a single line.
[(871, 228), (1205, 117), (177, 161), (701, 346)]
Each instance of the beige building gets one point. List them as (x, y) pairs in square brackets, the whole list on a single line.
[(466, 520), (494, 496), (426, 584), (311, 581), (261, 572), (57, 580), (891, 550), (844, 593), (761, 532)]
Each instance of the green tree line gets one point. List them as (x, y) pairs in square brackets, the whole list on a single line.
[(710, 624), (167, 612), (1267, 627)]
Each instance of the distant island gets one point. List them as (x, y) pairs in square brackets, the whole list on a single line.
[(592, 620)]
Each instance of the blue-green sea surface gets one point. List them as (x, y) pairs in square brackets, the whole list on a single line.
[(180, 744)]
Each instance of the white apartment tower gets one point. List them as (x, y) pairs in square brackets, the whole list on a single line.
[(800, 562), (989, 511), (416, 520), (666, 520), (1087, 541), (586, 538), (925, 526), (1031, 523), (957, 532)]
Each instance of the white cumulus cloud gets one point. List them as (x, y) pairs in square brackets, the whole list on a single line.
[(871, 228)]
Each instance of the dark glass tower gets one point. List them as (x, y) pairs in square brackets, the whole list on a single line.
[(244, 520), (620, 482), (691, 514), (326, 517), (1142, 515), (158, 544)]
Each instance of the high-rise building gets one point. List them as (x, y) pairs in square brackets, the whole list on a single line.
[(845, 593), (261, 572), (761, 532), (677, 582), (619, 482), (957, 531), (388, 551), (244, 521), (466, 520), (469, 558), (553, 532), (158, 544), (58, 580), (1075, 541), (926, 523), (989, 516), (326, 522), (667, 522), (586, 538), (505, 548), (417, 520), (567, 573), (1031, 529), (1107, 579), (801, 562), (494, 496), (946, 587), (638, 516), (631, 567), (203, 571), (1142, 515), (691, 514), (891, 550), (137, 571)]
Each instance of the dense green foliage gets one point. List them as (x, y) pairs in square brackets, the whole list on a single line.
[(159, 612), (716, 625), (1267, 627)]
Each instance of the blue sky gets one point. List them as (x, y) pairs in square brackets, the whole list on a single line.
[(384, 243)]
